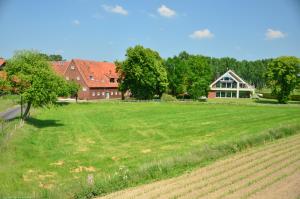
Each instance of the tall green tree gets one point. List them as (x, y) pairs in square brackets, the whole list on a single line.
[(199, 76), (142, 73), (189, 74), (282, 77), (29, 74), (177, 70)]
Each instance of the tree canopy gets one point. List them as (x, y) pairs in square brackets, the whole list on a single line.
[(142, 73), (188, 75), (51, 57), (282, 77), (30, 75)]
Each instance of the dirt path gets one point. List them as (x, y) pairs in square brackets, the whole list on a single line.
[(270, 171)]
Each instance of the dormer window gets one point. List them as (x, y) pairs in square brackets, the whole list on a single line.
[(73, 67), (91, 77), (112, 80)]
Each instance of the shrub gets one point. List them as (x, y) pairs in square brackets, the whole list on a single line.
[(168, 98)]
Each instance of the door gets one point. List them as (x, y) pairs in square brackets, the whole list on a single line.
[(106, 95)]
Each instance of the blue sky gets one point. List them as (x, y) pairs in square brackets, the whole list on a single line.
[(104, 29)]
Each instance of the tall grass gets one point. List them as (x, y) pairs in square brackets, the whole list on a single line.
[(169, 167)]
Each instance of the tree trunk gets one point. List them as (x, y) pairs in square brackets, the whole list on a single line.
[(25, 115)]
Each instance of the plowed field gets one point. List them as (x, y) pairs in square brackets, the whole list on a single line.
[(270, 171)]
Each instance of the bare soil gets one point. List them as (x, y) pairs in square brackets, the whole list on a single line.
[(269, 171)]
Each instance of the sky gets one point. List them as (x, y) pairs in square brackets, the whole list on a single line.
[(103, 29)]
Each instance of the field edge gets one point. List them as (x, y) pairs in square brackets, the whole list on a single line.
[(178, 165)]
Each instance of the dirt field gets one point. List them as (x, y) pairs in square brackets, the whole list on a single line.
[(270, 171)]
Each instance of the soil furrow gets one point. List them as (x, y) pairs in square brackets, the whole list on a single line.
[(249, 172)]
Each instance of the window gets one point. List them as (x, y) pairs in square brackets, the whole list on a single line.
[(116, 93), (83, 88), (218, 94), (111, 93), (222, 94), (233, 94), (120, 93), (103, 93), (91, 77), (93, 93), (67, 78), (98, 93), (78, 78), (228, 94), (73, 67), (112, 80)]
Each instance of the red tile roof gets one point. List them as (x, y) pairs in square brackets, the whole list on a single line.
[(60, 67), (101, 72), (2, 61)]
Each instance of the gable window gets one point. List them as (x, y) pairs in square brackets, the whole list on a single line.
[(112, 80), (73, 67), (78, 78)]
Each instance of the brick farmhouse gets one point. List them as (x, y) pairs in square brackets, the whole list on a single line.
[(2, 63), (230, 85), (98, 80)]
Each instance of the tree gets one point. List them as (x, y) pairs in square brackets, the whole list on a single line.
[(199, 76), (177, 70), (52, 57), (29, 74), (142, 73), (189, 74), (282, 77)]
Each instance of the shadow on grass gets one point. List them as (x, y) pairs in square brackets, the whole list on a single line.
[(43, 123), (271, 101)]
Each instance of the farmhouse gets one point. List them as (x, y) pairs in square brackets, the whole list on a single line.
[(98, 80), (2, 63), (230, 85)]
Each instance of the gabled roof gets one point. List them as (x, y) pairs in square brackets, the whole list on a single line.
[(2, 62), (101, 72), (60, 67), (233, 75)]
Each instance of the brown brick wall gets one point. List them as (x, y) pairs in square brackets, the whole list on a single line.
[(212, 94), (72, 74), (102, 93)]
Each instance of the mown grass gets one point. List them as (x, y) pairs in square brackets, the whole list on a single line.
[(8, 101), (125, 144)]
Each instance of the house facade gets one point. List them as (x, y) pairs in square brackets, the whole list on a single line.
[(2, 63), (230, 85), (98, 80)]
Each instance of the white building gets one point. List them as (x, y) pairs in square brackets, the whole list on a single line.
[(230, 85)]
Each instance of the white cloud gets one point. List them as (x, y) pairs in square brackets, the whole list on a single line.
[(76, 22), (115, 9), (274, 34), (201, 34), (166, 12)]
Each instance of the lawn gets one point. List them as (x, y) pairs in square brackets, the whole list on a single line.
[(8, 101), (58, 147)]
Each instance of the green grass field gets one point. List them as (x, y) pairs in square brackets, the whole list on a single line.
[(54, 152), (8, 101)]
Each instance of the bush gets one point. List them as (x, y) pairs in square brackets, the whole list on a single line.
[(168, 98), (270, 96)]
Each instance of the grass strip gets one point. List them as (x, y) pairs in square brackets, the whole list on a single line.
[(175, 166)]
